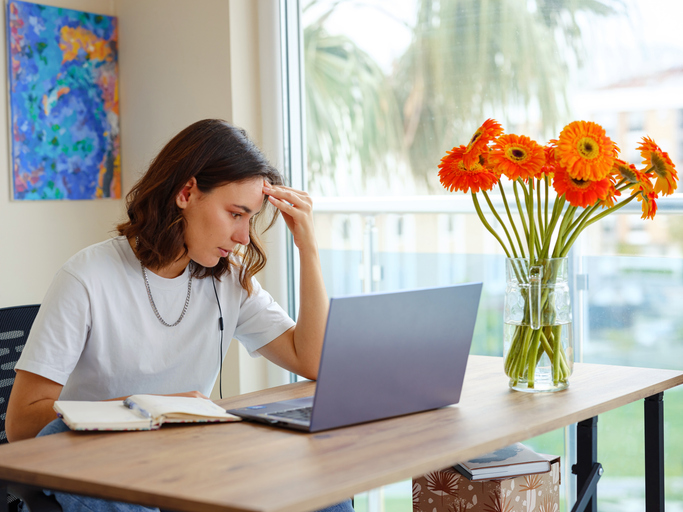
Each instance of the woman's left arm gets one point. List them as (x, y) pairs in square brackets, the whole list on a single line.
[(299, 348)]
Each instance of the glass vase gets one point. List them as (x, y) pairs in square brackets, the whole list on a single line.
[(538, 339)]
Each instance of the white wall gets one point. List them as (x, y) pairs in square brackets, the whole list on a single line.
[(179, 61), (37, 237), (174, 69)]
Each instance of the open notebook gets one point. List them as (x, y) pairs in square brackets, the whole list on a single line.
[(139, 412)]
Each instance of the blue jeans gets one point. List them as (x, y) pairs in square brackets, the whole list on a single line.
[(75, 503)]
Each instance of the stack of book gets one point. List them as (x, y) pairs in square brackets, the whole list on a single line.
[(509, 462)]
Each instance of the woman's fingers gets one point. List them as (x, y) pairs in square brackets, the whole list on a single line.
[(294, 190), (283, 206), (296, 207), (298, 198)]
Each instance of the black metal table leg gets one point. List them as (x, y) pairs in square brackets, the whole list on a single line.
[(587, 469), (654, 453)]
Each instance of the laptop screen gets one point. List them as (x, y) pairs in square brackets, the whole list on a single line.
[(387, 354)]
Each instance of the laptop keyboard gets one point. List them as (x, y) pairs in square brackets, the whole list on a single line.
[(301, 414)]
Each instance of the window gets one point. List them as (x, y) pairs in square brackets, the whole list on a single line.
[(388, 86)]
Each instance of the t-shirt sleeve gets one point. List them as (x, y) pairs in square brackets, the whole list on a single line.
[(260, 320), (59, 331)]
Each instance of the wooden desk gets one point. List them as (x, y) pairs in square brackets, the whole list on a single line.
[(248, 467)]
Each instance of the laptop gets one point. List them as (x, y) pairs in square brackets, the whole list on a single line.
[(384, 355)]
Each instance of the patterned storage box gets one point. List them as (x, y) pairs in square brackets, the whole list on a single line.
[(447, 490)]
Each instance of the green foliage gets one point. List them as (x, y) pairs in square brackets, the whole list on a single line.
[(351, 112), (467, 59), (474, 57)]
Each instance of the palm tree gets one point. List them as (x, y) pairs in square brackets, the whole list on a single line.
[(351, 111), (472, 58), (467, 59)]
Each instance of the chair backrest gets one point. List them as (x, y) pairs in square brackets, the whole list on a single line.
[(15, 324)]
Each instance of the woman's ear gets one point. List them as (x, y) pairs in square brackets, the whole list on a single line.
[(189, 191)]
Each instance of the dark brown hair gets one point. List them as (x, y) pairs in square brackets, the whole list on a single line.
[(214, 153)]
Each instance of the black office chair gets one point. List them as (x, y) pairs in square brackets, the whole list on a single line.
[(15, 324)]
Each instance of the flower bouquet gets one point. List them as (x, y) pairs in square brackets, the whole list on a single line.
[(559, 190)]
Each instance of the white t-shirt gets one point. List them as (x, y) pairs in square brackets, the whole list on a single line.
[(97, 335)]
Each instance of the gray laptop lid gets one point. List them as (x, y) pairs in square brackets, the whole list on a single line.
[(388, 354)]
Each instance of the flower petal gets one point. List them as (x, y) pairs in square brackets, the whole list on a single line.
[(585, 151)]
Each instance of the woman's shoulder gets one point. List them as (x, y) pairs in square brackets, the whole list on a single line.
[(101, 257), (230, 281)]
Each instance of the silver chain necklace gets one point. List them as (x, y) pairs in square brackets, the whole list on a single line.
[(154, 307)]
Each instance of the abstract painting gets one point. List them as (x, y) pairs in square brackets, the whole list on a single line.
[(64, 101)]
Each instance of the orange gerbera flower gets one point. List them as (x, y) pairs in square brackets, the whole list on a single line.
[(585, 151), (517, 156), (648, 204), (454, 175), (581, 193), (627, 172), (658, 161), (612, 193), (480, 140), (552, 159), (638, 180)]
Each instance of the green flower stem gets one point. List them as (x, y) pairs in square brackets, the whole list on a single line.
[(557, 341), (514, 350), (556, 358), (520, 210), (495, 214), (559, 357), (534, 243), (585, 213), (561, 232), (584, 220), (519, 270), (564, 232), (512, 222), (587, 222), (521, 359), (541, 226), (623, 185), (542, 229), (529, 211), (546, 336), (533, 359), (557, 211), (547, 187), (514, 362), (524, 354), (487, 225)]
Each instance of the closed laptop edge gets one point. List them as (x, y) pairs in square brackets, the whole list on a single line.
[(385, 355)]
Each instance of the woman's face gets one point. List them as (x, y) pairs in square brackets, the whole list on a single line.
[(218, 220)]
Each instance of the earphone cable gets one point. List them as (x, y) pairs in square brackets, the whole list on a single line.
[(220, 326)]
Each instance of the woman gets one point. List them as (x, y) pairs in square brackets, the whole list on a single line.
[(140, 313)]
